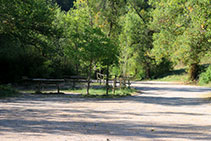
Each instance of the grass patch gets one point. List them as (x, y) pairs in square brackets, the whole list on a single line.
[(207, 96), (206, 85), (7, 91), (181, 76), (178, 75), (28, 91), (174, 78), (101, 92)]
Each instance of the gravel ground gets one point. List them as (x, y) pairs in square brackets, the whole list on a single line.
[(161, 111)]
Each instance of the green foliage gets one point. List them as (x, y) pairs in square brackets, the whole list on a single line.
[(182, 31), (134, 42), (7, 91), (128, 37), (85, 42), (140, 74), (156, 70), (161, 68), (205, 77), (115, 71), (23, 20), (27, 35)]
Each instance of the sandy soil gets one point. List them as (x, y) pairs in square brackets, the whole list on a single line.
[(161, 111)]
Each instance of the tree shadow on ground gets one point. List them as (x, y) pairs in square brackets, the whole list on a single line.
[(173, 89), (34, 121), (155, 94), (165, 101), (148, 95), (168, 101), (37, 113)]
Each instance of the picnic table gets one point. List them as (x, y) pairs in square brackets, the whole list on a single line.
[(41, 81)]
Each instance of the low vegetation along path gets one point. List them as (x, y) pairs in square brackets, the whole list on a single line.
[(161, 111)]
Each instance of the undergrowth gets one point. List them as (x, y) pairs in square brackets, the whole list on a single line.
[(7, 91)]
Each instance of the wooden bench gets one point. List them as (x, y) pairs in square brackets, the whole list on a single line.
[(42, 81)]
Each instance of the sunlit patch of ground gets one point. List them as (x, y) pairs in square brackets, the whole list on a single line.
[(207, 96)]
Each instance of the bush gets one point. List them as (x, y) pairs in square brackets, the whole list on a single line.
[(141, 74), (158, 70), (115, 70), (7, 91), (205, 77)]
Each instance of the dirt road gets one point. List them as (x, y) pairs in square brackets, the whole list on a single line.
[(161, 111)]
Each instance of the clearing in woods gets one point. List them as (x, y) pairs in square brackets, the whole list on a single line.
[(161, 111)]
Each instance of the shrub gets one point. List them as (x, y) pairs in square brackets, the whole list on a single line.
[(7, 91), (205, 77), (158, 70), (141, 74)]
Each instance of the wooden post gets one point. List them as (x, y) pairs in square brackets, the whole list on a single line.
[(120, 82), (114, 85), (128, 82), (104, 81), (58, 89), (100, 80), (89, 78), (107, 79), (124, 82), (39, 88), (73, 84)]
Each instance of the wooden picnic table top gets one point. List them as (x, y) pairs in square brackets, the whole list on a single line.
[(47, 80), (75, 77)]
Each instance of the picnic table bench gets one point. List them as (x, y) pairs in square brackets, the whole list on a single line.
[(42, 81)]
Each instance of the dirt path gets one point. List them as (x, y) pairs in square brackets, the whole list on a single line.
[(162, 111)]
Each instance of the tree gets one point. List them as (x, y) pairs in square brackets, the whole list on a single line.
[(106, 16), (135, 42), (23, 20), (26, 30), (87, 43), (182, 31)]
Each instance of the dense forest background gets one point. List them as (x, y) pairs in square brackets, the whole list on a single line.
[(138, 38)]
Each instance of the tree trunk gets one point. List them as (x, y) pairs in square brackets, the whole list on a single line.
[(147, 67), (77, 68), (89, 78), (107, 79), (114, 84), (147, 71), (193, 71)]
